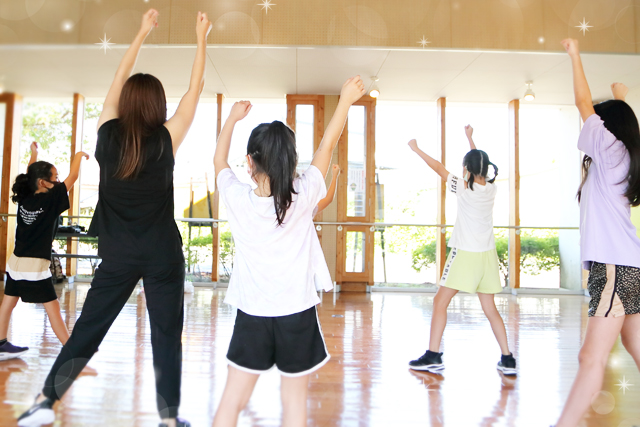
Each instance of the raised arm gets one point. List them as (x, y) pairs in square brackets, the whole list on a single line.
[(238, 112), (74, 170), (433, 163), (331, 191), (179, 124), (352, 90), (468, 130), (580, 85), (128, 62), (34, 153), (619, 91)]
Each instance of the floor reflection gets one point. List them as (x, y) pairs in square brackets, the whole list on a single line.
[(366, 383)]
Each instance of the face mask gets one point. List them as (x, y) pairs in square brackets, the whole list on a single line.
[(466, 176)]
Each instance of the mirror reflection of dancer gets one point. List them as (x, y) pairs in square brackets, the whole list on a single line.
[(277, 268), (472, 264), (41, 198), (609, 246), (138, 235)]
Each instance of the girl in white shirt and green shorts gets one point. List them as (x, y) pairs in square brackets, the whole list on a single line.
[(472, 264)]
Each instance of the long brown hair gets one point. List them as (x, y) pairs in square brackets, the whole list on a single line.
[(142, 110)]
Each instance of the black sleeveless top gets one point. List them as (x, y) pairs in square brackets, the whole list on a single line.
[(134, 220)]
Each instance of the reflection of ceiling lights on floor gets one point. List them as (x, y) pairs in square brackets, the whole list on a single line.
[(528, 94)]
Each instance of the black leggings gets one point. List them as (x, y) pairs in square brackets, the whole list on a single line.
[(110, 289)]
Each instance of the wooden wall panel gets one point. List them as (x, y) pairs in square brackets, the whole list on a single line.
[(481, 24), (10, 163), (310, 23)]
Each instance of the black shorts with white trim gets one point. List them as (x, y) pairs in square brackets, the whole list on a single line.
[(293, 343)]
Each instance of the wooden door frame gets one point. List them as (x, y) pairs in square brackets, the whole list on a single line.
[(10, 164), (342, 277), (318, 129)]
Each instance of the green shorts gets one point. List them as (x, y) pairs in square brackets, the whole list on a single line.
[(472, 272)]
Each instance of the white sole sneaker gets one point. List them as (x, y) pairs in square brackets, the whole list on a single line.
[(6, 356), (39, 418), (436, 369), (508, 371)]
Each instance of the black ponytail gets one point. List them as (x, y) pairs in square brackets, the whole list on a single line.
[(26, 184), (477, 164), (272, 147)]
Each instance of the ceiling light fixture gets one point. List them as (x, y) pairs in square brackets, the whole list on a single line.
[(374, 92), (529, 95)]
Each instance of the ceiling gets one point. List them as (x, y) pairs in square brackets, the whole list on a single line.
[(271, 72)]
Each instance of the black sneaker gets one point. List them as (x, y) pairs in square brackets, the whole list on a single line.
[(179, 423), (38, 415), (507, 365), (10, 351), (430, 361)]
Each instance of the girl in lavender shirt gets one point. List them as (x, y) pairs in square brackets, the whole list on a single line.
[(610, 248)]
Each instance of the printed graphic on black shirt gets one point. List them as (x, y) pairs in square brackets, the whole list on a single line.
[(28, 217)]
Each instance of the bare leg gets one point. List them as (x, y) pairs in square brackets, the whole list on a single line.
[(293, 392), (8, 304), (57, 323), (488, 304), (235, 397), (602, 333), (631, 336), (439, 317)]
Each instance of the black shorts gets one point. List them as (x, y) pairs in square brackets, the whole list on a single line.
[(293, 343), (39, 291)]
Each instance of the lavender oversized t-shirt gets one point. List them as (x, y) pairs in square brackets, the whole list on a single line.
[(606, 232)]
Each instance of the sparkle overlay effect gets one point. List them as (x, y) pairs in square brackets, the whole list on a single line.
[(624, 385), (584, 26), (424, 42), (266, 5), (104, 43)]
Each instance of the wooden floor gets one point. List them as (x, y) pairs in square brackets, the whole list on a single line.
[(366, 383)]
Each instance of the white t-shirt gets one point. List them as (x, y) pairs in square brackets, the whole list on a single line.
[(473, 230), (277, 270)]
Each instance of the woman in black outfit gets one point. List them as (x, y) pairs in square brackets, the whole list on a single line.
[(134, 219)]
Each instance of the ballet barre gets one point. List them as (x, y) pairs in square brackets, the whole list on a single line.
[(348, 223)]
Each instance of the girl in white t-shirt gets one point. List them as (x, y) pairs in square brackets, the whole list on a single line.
[(279, 265), (472, 264)]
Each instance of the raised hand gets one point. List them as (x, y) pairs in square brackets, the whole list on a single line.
[(335, 170), (34, 148), (413, 144), (571, 46), (468, 130), (239, 110), (149, 21), (619, 91), (203, 26), (352, 90), (82, 154)]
